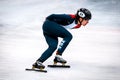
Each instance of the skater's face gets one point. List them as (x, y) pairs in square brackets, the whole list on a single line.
[(84, 22)]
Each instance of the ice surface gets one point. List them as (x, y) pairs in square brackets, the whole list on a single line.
[(94, 52)]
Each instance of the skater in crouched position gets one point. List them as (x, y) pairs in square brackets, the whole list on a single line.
[(56, 26)]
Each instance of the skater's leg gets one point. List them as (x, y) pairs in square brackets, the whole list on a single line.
[(52, 46), (58, 31), (64, 43), (51, 31)]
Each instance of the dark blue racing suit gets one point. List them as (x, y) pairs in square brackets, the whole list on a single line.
[(54, 27)]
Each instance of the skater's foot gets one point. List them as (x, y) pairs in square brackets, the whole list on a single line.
[(59, 59), (38, 65)]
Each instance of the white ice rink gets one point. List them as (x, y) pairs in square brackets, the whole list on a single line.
[(94, 52)]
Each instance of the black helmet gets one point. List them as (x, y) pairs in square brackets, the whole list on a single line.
[(83, 13)]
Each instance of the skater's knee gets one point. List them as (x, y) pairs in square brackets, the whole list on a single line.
[(69, 37), (53, 47)]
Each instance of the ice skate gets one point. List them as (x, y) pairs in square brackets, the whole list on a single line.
[(59, 59), (38, 65)]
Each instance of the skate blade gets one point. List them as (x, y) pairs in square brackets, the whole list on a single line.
[(38, 70), (59, 66)]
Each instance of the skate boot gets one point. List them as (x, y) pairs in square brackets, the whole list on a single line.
[(59, 59), (38, 65)]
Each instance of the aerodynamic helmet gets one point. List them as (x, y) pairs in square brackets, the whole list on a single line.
[(83, 13)]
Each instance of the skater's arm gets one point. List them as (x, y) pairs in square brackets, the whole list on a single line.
[(62, 19)]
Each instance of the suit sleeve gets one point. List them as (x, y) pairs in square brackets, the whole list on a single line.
[(62, 19)]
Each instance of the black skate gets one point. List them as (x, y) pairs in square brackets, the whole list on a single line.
[(59, 59), (37, 66)]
